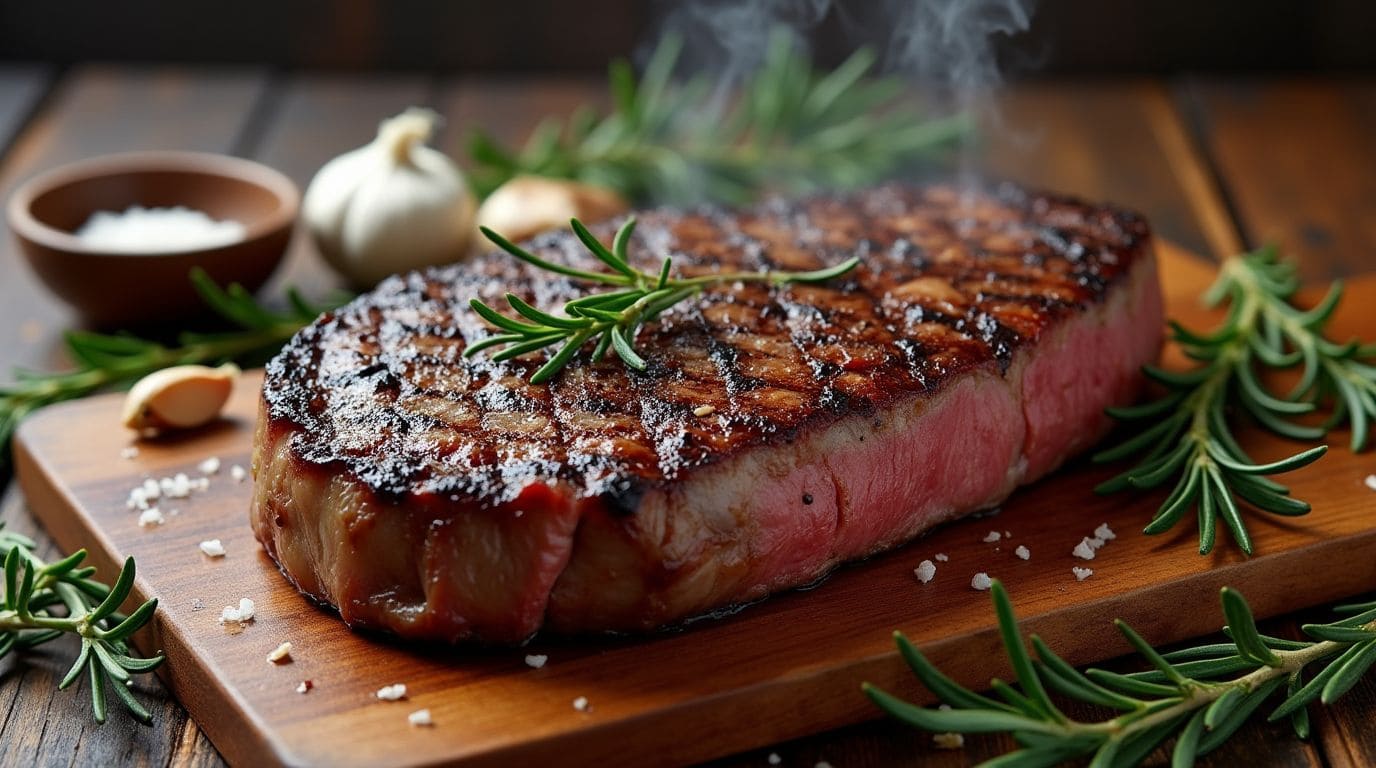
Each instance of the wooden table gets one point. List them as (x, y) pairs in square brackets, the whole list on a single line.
[(1217, 166)]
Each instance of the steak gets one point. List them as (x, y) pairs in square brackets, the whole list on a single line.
[(775, 433)]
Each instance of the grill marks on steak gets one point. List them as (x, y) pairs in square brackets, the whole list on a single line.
[(947, 283), (445, 498)]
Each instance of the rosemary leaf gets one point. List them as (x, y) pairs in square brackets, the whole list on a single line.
[(1185, 434), (608, 320), (1200, 703), (34, 588), (789, 130)]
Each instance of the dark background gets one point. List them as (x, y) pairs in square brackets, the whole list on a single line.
[(1067, 36)]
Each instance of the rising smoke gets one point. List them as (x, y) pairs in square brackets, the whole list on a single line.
[(950, 47)]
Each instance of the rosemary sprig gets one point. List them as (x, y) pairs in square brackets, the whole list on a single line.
[(43, 601), (1199, 695), (790, 129), (109, 360), (1186, 434), (610, 319)]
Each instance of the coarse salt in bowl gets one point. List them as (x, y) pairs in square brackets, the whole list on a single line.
[(117, 236)]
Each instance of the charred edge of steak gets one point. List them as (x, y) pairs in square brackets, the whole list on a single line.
[(949, 281)]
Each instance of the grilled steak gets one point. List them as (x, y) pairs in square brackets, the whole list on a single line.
[(439, 497)]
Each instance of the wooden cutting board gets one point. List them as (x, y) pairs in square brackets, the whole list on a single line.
[(787, 667)]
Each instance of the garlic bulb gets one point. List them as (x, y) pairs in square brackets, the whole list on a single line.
[(528, 205), (391, 206)]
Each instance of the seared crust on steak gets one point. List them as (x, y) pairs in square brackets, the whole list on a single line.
[(596, 501)]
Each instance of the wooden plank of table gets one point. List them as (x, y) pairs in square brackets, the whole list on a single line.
[(20, 89), (1299, 161), (1115, 141), (1298, 158), (92, 111), (315, 118), (509, 108)]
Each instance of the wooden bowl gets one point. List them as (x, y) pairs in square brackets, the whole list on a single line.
[(120, 288)]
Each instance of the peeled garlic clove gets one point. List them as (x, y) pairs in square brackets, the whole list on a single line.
[(180, 397), (528, 205)]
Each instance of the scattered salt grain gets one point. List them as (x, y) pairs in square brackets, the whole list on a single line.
[(213, 548), (1082, 573), (1094, 542), (536, 660), (151, 517), (141, 496), (774, 758), (981, 581), (992, 536), (305, 687), (129, 452), (420, 718), (176, 487), (1083, 550), (1023, 552), (240, 615), (948, 740), (941, 557), (925, 571), (1371, 482), (237, 473), (704, 410), (395, 692), (1104, 532), (581, 704), (280, 654), (157, 230), (1007, 534), (210, 466)]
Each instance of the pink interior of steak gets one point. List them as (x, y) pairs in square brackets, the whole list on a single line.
[(440, 497), (787, 514)]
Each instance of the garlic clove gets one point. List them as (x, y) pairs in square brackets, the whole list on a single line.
[(180, 397), (528, 205)]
